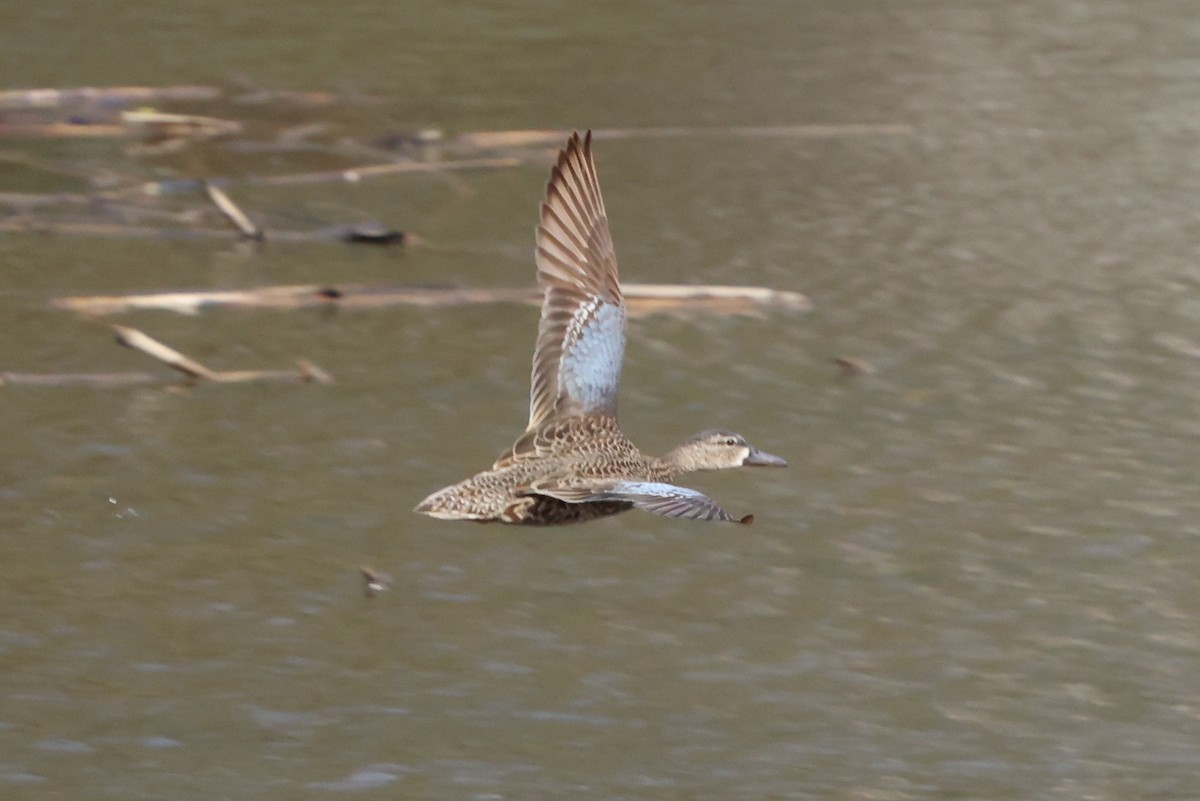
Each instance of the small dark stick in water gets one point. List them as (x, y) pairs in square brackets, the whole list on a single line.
[(373, 582), (852, 367)]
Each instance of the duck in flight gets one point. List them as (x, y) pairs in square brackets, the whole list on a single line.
[(573, 463)]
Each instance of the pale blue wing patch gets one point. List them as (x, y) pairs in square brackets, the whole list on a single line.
[(669, 500), (589, 371)]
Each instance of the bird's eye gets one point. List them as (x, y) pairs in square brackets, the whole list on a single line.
[(730, 441)]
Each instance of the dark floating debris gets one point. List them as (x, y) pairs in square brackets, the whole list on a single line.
[(334, 233), (372, 234), (374, 582), (852, 367)]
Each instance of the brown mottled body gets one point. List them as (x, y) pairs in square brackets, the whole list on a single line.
[(571, 452)]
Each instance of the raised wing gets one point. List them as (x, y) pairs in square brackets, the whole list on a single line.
[(581, 336)]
